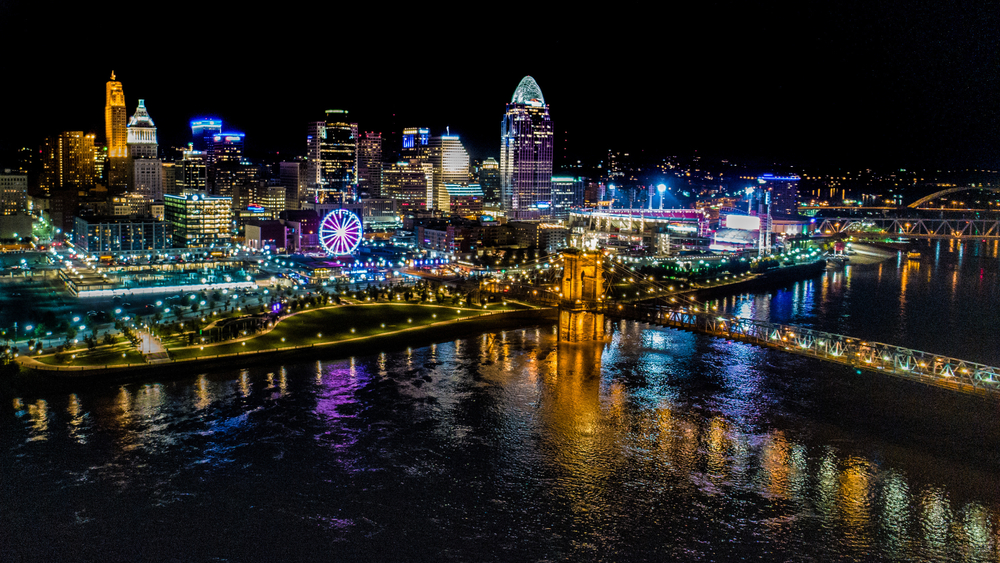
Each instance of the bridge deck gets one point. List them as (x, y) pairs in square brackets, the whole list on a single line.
[(915, 365)]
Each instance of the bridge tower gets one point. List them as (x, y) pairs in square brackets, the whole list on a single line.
[(580, 316)]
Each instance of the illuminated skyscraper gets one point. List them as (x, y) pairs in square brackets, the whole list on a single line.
[(338, 156), (370, 165), (451, 166), (67, 162), (489, 179), (315, 133), (415, 143), (204, 129), (115, 129), (784, 193), (526, 151), (145, 170)]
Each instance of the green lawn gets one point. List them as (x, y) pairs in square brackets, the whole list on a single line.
[(100, 356), (339, 323)]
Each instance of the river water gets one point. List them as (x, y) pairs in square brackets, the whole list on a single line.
[(655, 445)]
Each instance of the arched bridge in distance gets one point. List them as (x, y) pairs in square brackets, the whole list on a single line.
[(948, 191), (583, 307)]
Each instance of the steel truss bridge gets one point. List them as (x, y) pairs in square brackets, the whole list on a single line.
[(916, 227), (915, 365)]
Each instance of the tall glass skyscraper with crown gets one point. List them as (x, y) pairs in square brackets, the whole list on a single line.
[(526, 151)]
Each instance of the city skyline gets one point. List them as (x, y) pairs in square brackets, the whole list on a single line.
[(904, 85)]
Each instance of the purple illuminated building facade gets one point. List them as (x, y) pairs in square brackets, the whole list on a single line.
[(526, 150)]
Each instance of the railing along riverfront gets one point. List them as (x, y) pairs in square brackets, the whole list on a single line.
[(915, 365)]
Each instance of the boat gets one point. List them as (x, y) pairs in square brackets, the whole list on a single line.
[(913, 255)]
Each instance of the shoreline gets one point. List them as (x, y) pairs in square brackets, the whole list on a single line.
[(30, 379)]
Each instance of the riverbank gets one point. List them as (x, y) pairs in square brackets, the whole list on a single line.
[(42, 379), (871, 254), (771, 279)]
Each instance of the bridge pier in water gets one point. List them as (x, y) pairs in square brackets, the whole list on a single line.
[(580, 316)]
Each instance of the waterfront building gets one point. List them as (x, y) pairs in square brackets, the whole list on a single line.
[(115, 234), (145, 169), (784, 193), (199, 220), (639, 231), (67, 161), (526, 152), (116, 134), (489, 180), (13, 192), (370, 165), (338, 161)]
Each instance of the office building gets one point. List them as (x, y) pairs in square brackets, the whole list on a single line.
[(451, 166), (202, 130), (117, 234), (191, 175), (489, 180), (13, 192), (315, 133), (67, 162), (784, 193), (145, 169), (409, 183), (370, 165), (292, 177), (199, 220), (116, 134), (567, 193), (338, 158), (526, 151), (416, 141)]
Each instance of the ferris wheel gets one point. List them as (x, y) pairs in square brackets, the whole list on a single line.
[(340, 232)]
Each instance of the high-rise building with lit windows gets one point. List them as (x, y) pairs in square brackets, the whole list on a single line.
[(67, 162), (13, 192), (145, 170), (451, 166), (199, 220), (116, 132), (415, 143), (203, 129), (338, 159), (370, 165), (526, 152), (489, 179), (315, 133)]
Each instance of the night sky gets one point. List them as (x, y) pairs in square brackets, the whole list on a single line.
[(911, 84)]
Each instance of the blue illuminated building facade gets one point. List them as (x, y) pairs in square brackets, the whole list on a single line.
[(202, 129)]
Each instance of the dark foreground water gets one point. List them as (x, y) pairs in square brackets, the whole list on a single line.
[(656, 445)]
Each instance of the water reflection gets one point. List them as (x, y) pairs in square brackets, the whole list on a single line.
[(654, 438)]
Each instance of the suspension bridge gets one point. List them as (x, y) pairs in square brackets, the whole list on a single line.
[(584, 305)]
